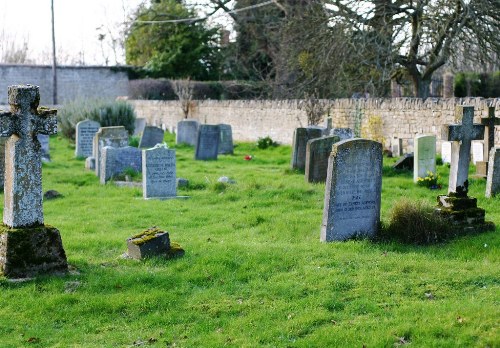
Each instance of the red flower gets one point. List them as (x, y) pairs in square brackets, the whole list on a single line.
[(248, 157)]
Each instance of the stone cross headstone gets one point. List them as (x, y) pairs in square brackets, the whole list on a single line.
[(187, 132), (31, 248), (226, 139), (461, 136), (140, 124), (158, 173), (353, 190), (207, 145), (446, 151), (300, 138), (493, 179), (424, 156), (85, 132), (477, 152), (342, 133), (108, 136), (44, 143), (151, 136), (115, 160), (317, 154), (489, 141)]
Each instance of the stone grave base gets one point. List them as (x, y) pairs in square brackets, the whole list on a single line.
[(166, 198), (152, 242), (31, 251), (463, 214)]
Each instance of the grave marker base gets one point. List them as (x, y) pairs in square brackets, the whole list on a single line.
[(30, 251), (463, 214)]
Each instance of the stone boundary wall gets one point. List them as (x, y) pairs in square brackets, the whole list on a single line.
[(379, 119), (73, 82)]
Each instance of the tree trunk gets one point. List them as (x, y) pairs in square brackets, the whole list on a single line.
[(421, 87)]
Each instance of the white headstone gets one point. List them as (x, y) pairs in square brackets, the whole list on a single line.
[(446, 151), (477, 151), (424, 156), (158, 173)]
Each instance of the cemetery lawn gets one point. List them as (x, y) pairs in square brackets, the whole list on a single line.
[(255, 273)]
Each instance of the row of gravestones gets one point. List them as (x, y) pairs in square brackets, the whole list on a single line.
[(354, 182)]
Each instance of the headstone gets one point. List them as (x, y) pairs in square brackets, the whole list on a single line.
[(446, 151), (424, 156), (489, 141), (140, 124), (457, 207), (226, 139), (317, 154), (44, 143), (151, 136), (2, 159), (493, 179), (152, 242), (27, 247), (342, 133), (207, 145), (90, 163), (158, 173), (405, 163), (300, 138), (187, 132), (397, 147), (477, 152), (85, 132), (108, 136), (353, 190), (115, 160)]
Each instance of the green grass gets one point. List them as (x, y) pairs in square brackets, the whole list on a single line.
[(255, 273)]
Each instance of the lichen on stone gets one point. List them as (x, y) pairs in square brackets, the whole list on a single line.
[(146, 235)]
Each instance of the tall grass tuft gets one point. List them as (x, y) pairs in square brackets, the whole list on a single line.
[(107, 113)]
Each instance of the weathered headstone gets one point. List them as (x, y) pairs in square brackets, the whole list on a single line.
[(187, 132), (424, 156), (115, 160), (493, 179), (207, 145), (44, 143), (489, 141), (226, 139), (300, 138), (457, 207), (85, 132), (2, 159), (477, 152), (317, 154), (90, 163), (151, 136), (108, 136), (446, 151), (342, 133), (140, 124), (397, 147), (353, 190), (158, 173), (27, 247)]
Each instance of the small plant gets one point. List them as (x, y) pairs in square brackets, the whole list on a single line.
[(430, 181), (264, 143), (416, 222), (134, 141), (129, 174)]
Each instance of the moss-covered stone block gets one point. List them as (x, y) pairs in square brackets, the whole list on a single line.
[(152, 242), (30, 251), (457, 203)]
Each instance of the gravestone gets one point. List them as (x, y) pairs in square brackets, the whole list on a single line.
[(226, 139), (158, 173), (405, 163), (342, 133), (489, 140), (115, 160), (207, 145), (187, 132), (353, 190), (140, 124), (397, 147), (300, 138), (151, 136), (2, 159), (424, 156), (446, 151), (457, 207), (27, 246), (317, 154), (152, 242), (477, 152), (108, 136), (85, 132), (493, 179), (44, 143)]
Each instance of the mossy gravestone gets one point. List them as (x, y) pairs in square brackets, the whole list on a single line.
[(207, 145), (457, 207), (27, 246), (300, 138), (317, 154), (152, 242)]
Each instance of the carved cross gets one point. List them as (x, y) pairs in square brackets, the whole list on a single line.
[(461, 136), (23, 166), (489, 132)]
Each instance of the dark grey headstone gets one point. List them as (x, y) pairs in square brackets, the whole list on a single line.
[(44, 143), (300, 138), (85, 132), (187, 132), (2, 160), (353, 190), (207, 146), (151, 136), (115, 161), (317, 154), (158, 173), (405, 162), (226, 139), (108, 136), (342, 133)]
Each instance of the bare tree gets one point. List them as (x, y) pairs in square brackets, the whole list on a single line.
[(314, 107), (13, 52), (184, 91)]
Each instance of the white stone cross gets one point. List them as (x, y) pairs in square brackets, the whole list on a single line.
[(23, 166), (489, 133), (461, 136)]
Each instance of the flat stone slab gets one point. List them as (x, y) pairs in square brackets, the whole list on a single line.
[(152, 242)]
